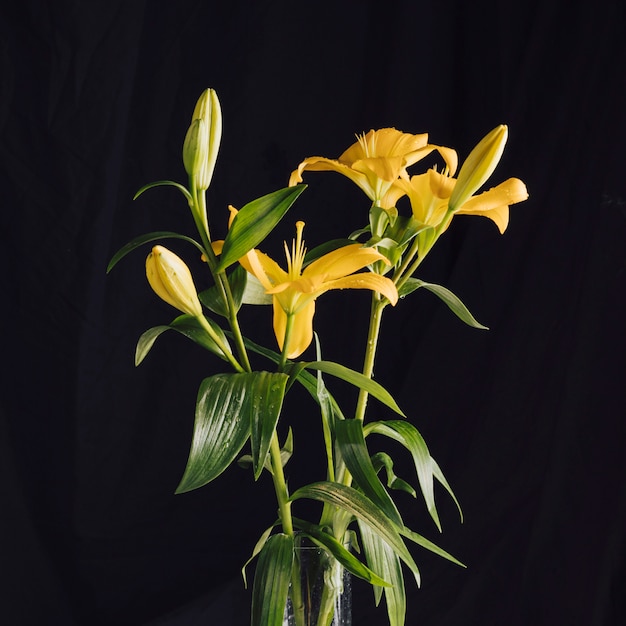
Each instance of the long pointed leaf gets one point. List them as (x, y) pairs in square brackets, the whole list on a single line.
[(166, 183), (306, 379), (355, 503), (406, 434), (349, 437), (146, 238), (271, 581), (254, 222), (381, 557), (221, 428), (453, 302), (438, 474), (190, 327), (185, 325), (358, 380), (267, 391), (344, 556), (429, 545)]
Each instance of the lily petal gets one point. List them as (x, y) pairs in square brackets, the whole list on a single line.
[(301, 334), (495, 203), (365, 280), (322, 164), (264, 268), (343, 261), (382, 143)]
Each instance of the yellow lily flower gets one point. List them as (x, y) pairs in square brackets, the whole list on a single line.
[(495, 203), (479, 165), (436, 197), (429, 195), (171, 280), (374, 162), (294, 291)]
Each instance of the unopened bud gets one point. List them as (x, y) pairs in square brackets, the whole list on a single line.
[(171, 280), (202, 142), (479, 166)]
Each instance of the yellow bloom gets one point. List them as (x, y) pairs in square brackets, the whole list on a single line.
[(495, 203), (436, 197), (171, 280), (429, 195), (374, 162), (294, 291), (479, 165)]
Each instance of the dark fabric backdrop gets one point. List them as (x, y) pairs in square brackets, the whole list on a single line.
[(527, 419)]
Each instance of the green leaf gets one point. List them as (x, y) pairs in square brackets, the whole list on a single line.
[(146, 238), (351, 443), (221, 428), (338, 550), (255, 292), (257, 548), (429, 545), (406, 434), (382, 460), (286, 452), (382, 558), (146, 341), (166, 183), (267, 391), (254, 222), (185, 325), (306, 379), (212, 298), (361, 507), (358, 380), (438, 474), (271, 581), (453, 301), (190, 327), (326, 413)]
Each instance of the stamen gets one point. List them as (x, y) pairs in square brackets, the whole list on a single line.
[(295, 259)]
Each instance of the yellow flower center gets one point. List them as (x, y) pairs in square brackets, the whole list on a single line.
[(364, 145), (295, 258)]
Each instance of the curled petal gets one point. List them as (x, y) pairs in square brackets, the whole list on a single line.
[(268, 272), (343, 261), (495, 203), (322, 164), (366, 280)]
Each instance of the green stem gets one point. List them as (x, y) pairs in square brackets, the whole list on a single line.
[(227, 353), (280, 486), (376, 314), (199, 212)]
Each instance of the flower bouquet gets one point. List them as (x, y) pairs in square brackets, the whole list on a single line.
[(239, 411)]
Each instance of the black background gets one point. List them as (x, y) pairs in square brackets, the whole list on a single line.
[(526, 419)]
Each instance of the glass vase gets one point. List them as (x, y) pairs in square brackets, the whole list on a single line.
[(321, 594)]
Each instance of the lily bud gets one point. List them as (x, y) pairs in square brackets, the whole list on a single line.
[(171, 280), (202, 142), (479, 166)]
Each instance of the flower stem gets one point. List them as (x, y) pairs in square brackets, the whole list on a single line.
[(199, 212), (225, 351), (376, 314), (280, 486)]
